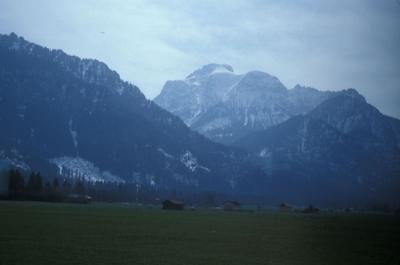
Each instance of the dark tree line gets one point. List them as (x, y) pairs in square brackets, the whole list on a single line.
[(34, 187)]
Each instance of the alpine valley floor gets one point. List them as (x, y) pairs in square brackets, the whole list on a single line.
[(44, 233)]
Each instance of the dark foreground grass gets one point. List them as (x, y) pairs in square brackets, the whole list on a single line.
[(39, 233)]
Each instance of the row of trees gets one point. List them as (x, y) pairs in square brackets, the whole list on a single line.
[(36, 188)]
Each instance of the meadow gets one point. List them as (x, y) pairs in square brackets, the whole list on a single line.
[(52, 233)]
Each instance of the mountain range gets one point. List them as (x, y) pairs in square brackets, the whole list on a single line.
[(319, 145), (343, 150), (213, 131), (73, 117), (225, 106)]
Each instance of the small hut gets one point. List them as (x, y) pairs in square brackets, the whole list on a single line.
[(284, 207), (172, 205), (231, 206), (310, 209), (78, 198)]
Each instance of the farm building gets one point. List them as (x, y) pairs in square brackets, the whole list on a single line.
[(310, 209), (78, 198), (231, 206), (284, 207), (172, 205)]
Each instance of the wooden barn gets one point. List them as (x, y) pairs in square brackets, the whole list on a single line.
[(172, 205), (79, 198), (231, 206), (284, 207), (310, 209)]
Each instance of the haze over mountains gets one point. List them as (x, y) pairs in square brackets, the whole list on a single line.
[(73, 117)]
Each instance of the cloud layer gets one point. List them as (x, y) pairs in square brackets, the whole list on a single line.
[(324, 44)]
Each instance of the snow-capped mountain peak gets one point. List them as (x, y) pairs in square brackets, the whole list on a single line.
[(210, 69), (202, 89), (224, 106)]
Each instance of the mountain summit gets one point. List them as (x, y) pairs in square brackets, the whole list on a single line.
[(225, 106), (204, 88), (210, 69)]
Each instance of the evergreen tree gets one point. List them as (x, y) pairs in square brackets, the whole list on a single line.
[(16, 183), (79, 187), (48, 188), (35, 184), (66, 187), (31, 183), (56, 185), (38, 183)]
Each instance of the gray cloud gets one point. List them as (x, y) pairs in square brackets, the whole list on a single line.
[(325, 44)]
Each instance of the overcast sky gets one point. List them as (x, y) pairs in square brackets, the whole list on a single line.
[(324, 44)]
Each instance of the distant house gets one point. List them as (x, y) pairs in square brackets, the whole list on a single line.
[(231, 206), (172, 205), (284, 207), (78, 198), (310, 209)]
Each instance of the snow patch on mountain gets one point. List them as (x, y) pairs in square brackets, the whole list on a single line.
[(166, 154), (77, 167), (190, 162), (15, 159), (221, 70), (74, 136), (264, 153), (210, 69)]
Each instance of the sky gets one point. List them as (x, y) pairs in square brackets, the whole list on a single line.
[(329, 45)]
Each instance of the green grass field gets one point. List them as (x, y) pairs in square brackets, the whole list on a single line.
[(44, 233)]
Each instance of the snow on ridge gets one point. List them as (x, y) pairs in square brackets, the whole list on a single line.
[(221, 70), (18, 164), (190, 162), (74, 136), (15, 159), (77, 167), (166, 154), (264, 153), (210, 69)]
